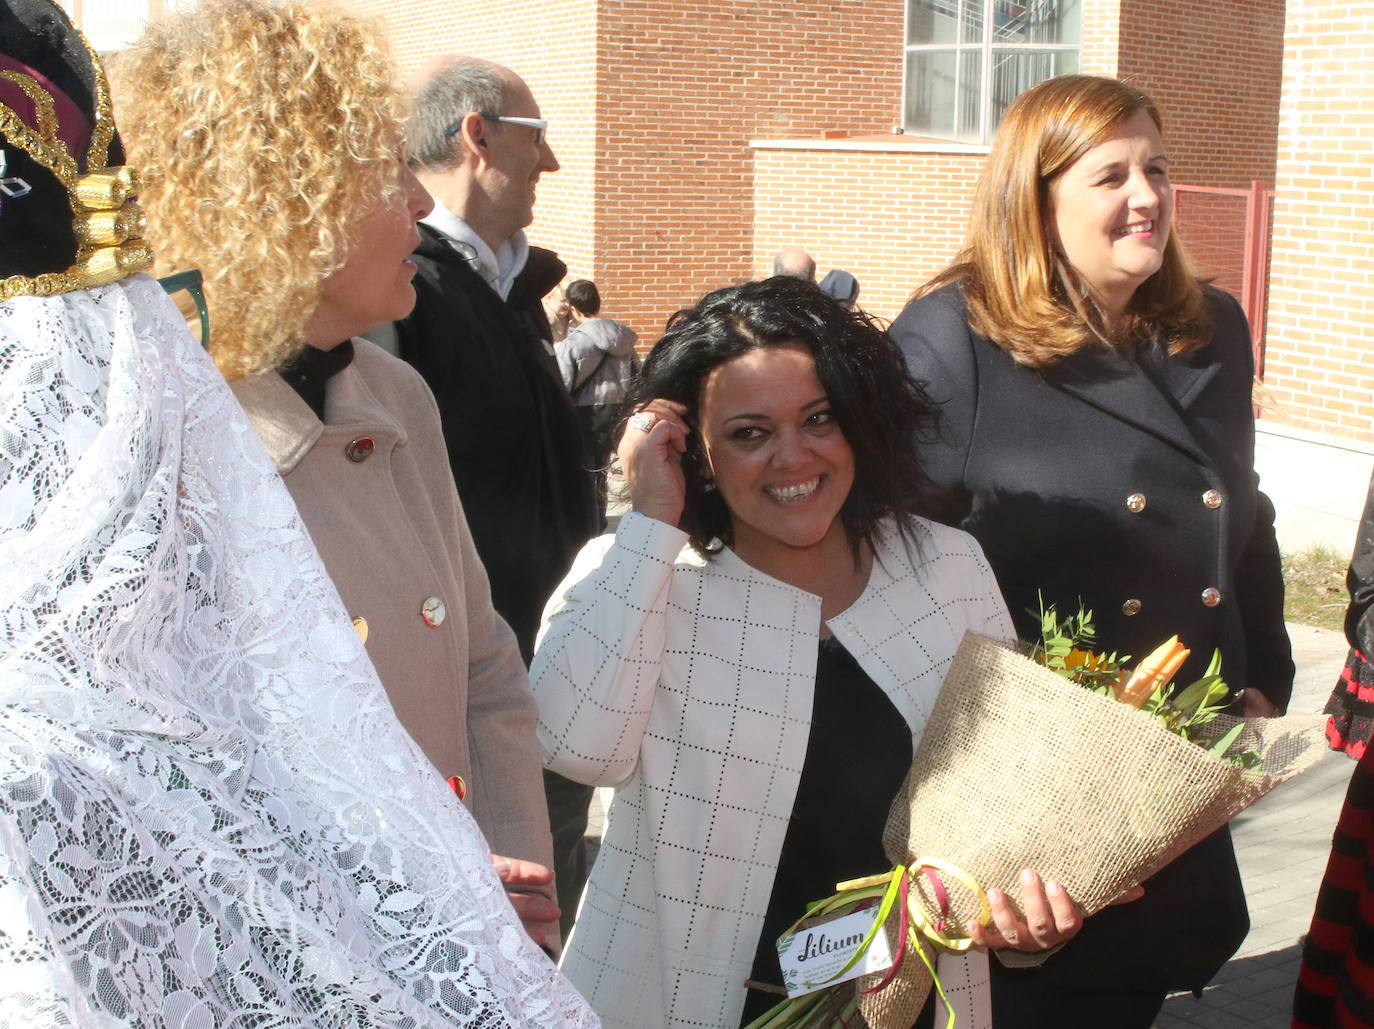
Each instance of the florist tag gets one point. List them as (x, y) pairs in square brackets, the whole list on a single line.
[(814, 957)]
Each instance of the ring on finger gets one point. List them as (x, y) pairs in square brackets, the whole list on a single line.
[(642, 420)]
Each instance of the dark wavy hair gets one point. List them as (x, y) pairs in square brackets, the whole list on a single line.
[(882, 411)]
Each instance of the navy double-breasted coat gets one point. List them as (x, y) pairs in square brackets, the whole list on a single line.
[(1126, 482)]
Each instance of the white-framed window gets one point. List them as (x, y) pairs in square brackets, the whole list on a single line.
[(967, 60)]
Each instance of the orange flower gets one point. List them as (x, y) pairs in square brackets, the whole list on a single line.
[(1157, 669), (1086, 658)]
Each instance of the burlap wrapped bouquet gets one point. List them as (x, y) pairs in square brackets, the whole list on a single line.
[(1085, 790)]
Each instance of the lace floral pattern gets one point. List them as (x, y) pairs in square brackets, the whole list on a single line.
[(209, 814)]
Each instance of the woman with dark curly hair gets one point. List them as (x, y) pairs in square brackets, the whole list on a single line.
[(751, 657)]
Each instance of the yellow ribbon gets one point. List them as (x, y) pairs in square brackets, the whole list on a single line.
[(920, 923), (853, 893)]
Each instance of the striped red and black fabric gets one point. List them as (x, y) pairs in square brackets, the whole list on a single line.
[(1351, 707), (1336, 982)]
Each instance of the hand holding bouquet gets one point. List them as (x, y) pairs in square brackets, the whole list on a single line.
[(1019, 767)]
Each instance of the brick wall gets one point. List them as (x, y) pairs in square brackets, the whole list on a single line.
[(1214, 69), (653, 104), (1101, 37), (891, 244), (891, 219), (687, 85), (551, 44), (1320, 359)]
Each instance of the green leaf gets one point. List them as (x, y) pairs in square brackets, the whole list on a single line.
[(1223, 744), (1192, 697)]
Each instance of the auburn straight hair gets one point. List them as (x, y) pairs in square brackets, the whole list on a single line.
[(1020, 289)]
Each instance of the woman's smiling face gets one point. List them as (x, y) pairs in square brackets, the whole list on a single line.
[(780, 461), (1113, 211)]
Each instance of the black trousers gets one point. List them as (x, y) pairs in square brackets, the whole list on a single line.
[(1021, 999), (568, 802)]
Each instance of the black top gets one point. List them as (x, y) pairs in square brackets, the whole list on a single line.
[(857, 756), (1126, 480), (1359, 580), (310, 371)]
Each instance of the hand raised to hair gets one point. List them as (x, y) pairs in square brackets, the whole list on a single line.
[(650, 455)]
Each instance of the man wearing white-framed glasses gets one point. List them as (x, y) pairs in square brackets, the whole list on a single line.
[(479, 336)]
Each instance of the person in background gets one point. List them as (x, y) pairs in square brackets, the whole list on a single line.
[(209, 813), (795, 263), (1335, 987), (1351, 705), (481, 339), (558, 312), (1336, 979), (842, 287), (1097, 438), (301, 254), (752, 655), (598, 362)]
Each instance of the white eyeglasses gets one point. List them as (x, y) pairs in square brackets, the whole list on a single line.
[(540, 125)]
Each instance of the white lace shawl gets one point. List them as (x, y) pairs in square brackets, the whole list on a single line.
[(209, 814)]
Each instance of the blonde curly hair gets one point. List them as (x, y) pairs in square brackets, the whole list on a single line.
[(264, 134)]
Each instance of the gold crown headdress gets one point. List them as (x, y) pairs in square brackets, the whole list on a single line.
[(82, 227)]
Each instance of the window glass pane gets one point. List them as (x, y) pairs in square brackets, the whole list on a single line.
[(1015, 71), (970, 95), (1070, 22), (971, 19), (930, 77), (1037, 21), (932, 21)]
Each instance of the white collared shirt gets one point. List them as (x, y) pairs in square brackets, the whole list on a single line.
[(499, 269)]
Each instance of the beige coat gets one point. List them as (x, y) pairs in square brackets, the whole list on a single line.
[(391, 531)]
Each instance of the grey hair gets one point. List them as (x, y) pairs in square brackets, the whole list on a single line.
[(455, 89)]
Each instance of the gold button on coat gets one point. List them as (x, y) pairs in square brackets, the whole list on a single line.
[(1211, 596), (433, 611), (1131, 607), (360, 449), (1135, 503), (1212, 498)]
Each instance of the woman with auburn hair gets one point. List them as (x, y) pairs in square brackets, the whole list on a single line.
[(270, 138), (751, 658), (1097, 437)]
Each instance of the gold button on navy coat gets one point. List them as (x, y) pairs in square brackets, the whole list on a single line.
[(1123, 480)]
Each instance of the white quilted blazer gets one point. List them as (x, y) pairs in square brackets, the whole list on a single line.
[(687, 683)]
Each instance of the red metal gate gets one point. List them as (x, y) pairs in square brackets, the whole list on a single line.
[(1227, 234)]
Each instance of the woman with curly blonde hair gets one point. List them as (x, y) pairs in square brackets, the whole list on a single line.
[(270, 138)]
